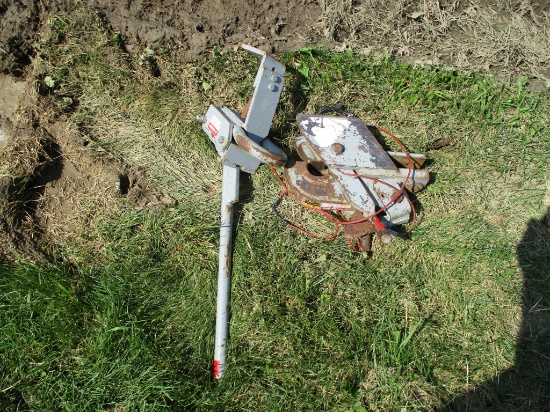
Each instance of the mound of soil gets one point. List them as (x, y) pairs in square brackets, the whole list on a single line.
[(194, 26), (50, 183), (18, 29)]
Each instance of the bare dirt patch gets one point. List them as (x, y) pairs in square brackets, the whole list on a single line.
[(17, 33), (509, 39), (195, 26), (10, 94), (52, 185)]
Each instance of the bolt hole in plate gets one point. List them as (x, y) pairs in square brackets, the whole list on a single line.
[(314, 171)]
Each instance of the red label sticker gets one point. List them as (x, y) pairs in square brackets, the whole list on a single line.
[(214, 126), (212, 129)]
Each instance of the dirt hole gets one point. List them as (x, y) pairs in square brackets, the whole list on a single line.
[(124, 184)]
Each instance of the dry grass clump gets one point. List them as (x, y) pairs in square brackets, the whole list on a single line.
[(26, 156), (23, 150), (52, 187), (337, 17), (512, 37), (87, 187), (517, 40)]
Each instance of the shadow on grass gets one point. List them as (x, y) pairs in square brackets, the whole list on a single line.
[(526, 386)]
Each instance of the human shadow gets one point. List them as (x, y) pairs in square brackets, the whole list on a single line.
[(525, 386)]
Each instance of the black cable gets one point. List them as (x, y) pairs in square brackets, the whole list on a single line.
[(338, 108), (275, 213)]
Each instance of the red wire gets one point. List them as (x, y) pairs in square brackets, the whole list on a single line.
[(401, 192), (352, 246)]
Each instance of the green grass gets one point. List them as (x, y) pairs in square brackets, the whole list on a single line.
[(125, 319)]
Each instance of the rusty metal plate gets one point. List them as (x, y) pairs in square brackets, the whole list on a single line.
[(316, 188), (343, 142), (275, 157)]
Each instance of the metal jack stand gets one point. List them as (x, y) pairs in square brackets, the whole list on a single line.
[(341, 171), (242, 144)]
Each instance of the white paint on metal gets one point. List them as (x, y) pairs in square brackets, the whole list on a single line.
[(326, 131), (360, 148)]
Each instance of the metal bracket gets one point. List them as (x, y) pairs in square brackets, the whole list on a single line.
[(241, 140)]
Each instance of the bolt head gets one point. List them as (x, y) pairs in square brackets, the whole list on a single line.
[(337, 148), (271, 87)]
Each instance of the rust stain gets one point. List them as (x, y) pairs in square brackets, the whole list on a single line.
[(306, 186), (403, 160), (260, 152), (358, 230), (365, 243), (244, 113)]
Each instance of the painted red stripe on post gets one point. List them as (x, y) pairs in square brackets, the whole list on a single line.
[(216, 369)]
